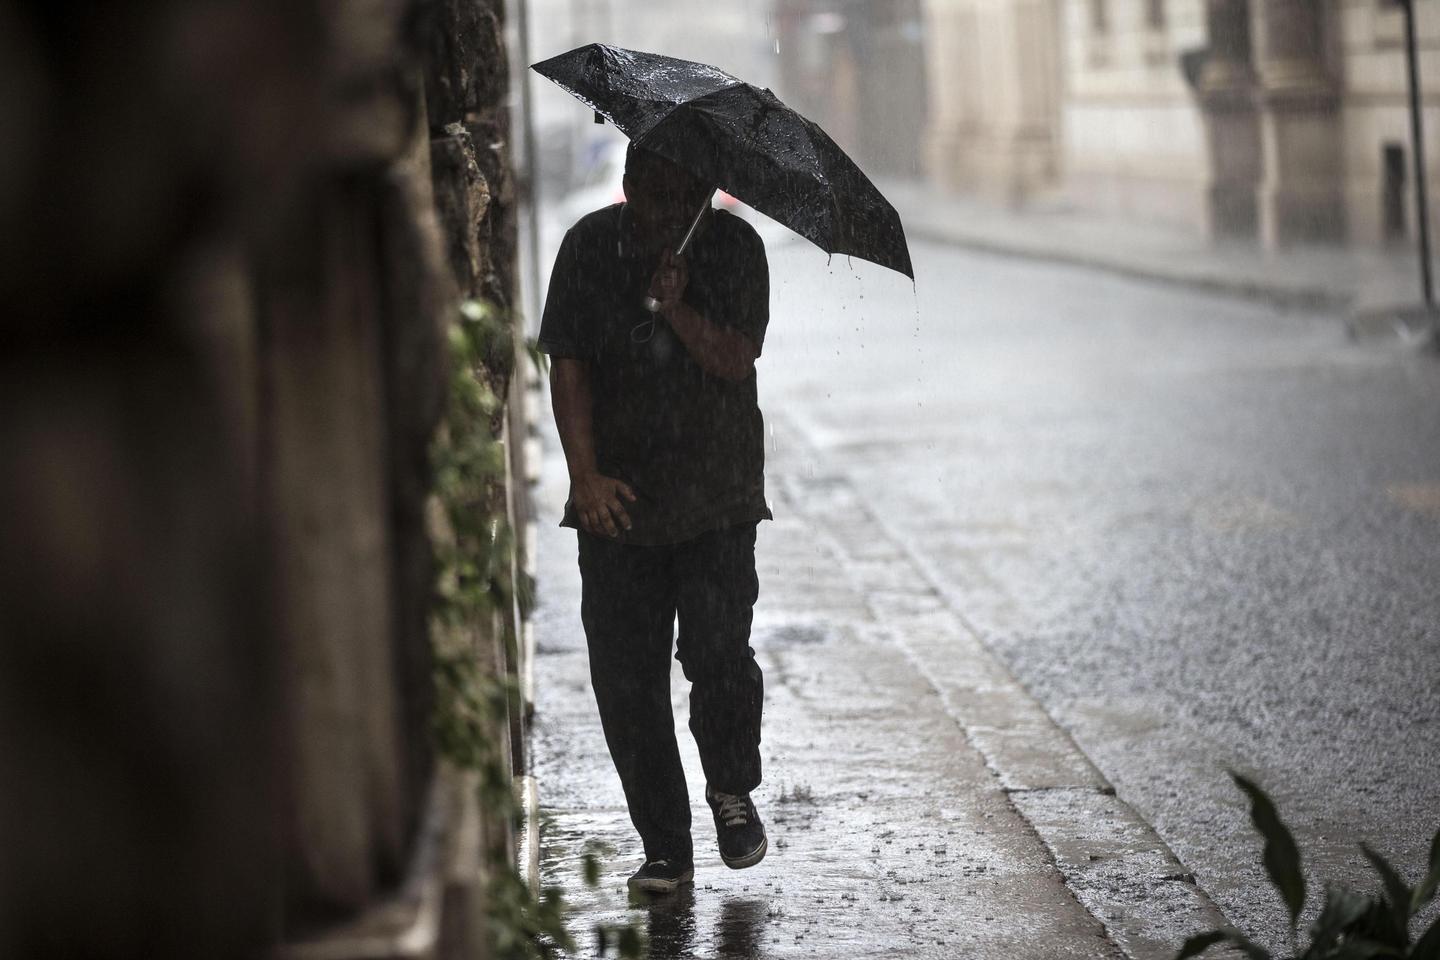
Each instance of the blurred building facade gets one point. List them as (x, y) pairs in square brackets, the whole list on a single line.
[(857, 68), (1276, 120), (1134, 131), (994, 76)]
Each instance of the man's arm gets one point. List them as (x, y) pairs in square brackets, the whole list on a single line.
[(597, 498), (723, 352), (719, 350)]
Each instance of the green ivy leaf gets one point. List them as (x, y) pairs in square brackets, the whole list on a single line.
[(459, 343), (472, 310), (1428, 948), (1359, 949), (1247, 946), (1397, 895), (1281, 857), (1343, 910), (470, 715), (630, 944), (1199, 943), (1426, 890), (538, 358)]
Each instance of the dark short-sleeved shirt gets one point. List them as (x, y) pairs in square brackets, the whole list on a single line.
[(690, 444)]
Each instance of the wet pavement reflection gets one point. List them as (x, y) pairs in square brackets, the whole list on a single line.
[(670, 925), (737, 932)]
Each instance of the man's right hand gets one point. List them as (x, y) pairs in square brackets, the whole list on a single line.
[(597, 499)]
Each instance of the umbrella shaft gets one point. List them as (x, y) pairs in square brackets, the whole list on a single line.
[(694, 225), (651, 303)]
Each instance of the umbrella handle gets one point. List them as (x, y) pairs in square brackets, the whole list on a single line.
[(651, 303)]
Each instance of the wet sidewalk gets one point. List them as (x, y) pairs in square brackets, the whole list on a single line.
[(919, 804), (1340, 279)]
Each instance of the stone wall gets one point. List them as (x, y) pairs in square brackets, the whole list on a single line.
[(235, 234)]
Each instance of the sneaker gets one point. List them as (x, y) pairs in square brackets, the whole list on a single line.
[(661, 876), (738, 826)]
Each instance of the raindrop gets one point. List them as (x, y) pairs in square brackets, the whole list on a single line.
[(777, 46)]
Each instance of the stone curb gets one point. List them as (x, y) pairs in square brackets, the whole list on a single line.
[(1280, 295), (527, 786), (1112, 861)]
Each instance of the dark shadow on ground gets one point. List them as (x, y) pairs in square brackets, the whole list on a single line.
[(740, 927), (670, 925)]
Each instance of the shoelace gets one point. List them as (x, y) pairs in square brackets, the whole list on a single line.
[(732, 809)]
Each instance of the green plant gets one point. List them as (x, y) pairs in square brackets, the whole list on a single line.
[(472, 568), (1351, 925), (538, 358), (473, 584)]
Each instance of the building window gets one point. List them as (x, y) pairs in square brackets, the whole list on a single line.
[(1156, 43), (1388, 24), (1392, 163), (1099, 16)]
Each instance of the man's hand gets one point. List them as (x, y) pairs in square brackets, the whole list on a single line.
[(671, 278), (596, 497), (597, 503)]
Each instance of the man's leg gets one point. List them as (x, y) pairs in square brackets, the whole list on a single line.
[(628, 609), (716, 590)]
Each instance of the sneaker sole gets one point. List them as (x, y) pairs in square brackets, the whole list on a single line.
[(656, 885), (750, 859)]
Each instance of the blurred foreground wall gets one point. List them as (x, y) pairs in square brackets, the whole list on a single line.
[(235, 234)]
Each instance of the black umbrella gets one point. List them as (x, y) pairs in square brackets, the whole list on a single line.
[(741, 138)]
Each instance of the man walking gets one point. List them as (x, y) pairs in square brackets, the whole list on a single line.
[(663, 437)]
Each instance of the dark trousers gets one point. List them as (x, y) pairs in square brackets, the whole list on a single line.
[(631, 599)]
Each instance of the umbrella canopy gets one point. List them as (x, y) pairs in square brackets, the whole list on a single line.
[(742, 139)]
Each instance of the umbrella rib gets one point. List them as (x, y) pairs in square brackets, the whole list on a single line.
[(714, 119), (686, 104)]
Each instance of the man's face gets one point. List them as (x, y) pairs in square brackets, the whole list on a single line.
[(663, 200)]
